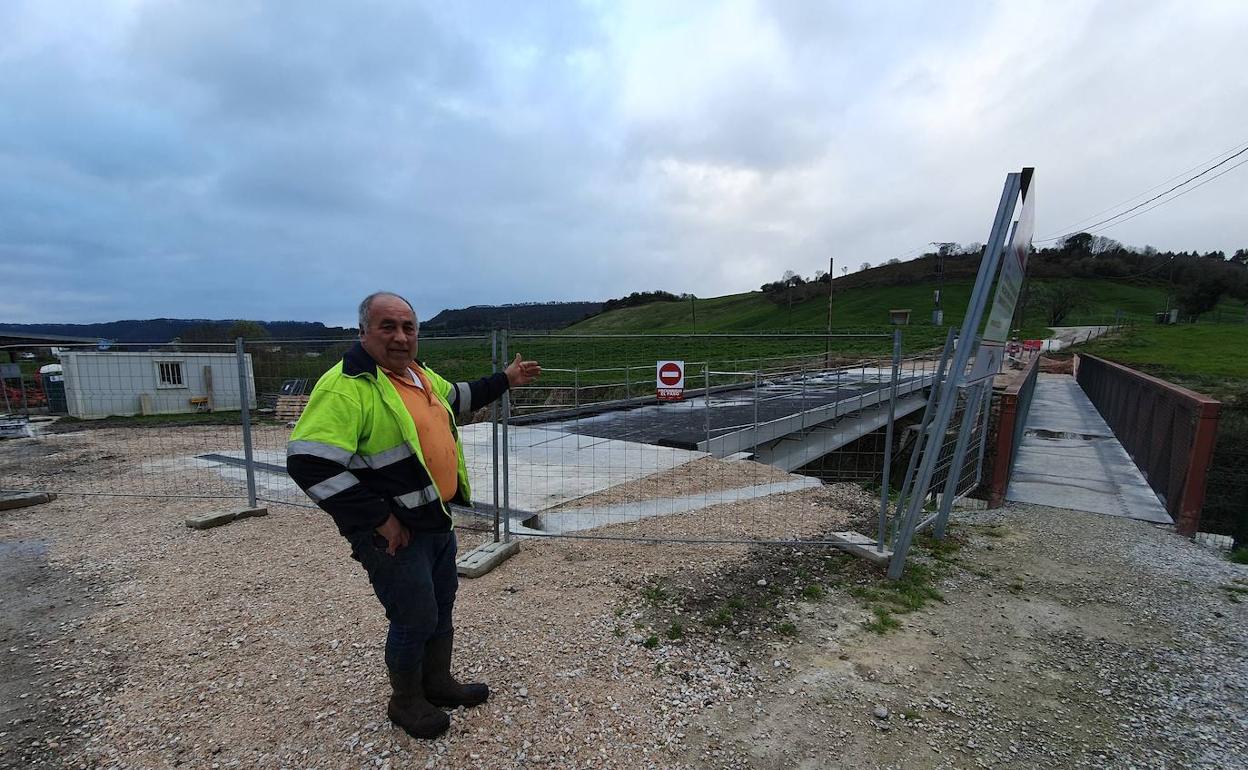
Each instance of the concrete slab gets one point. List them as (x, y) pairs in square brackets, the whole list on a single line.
[(861, 546), (1069, 458), (221, 518), (581, 519), (484, 558), (12, 500), (547, 467)]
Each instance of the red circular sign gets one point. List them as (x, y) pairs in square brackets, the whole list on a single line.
[(669, 374)]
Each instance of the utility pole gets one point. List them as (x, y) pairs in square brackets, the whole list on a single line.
[(942, 249), (827, 341), (831, 275), (693, 310)]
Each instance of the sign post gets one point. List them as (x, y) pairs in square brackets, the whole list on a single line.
[(669, 380), (961, 386)]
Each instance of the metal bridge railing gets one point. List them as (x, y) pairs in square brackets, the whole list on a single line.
[(1015, 405), (1169, 431)]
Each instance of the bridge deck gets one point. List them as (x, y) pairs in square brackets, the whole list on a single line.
[(1069, 458), (726, 421)]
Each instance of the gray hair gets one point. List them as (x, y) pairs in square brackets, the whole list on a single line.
[(367, 305)]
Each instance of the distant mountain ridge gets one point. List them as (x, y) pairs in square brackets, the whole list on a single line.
[(165, 329), (531, 316)]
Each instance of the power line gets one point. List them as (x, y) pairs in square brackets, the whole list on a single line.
[(1071, 227), (1180, 195), (1159, 195)]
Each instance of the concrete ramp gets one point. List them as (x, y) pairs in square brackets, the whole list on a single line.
[(1069, 458)]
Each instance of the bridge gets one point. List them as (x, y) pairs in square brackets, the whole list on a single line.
[(1106, 439)]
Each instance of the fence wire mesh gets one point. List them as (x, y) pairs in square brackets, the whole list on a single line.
[(286, 372), (587, 451), (764, 419), (132, 420)]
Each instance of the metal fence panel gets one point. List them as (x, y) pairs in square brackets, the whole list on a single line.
[(592, 453), (286, 372), (130, 420), (587, 451)]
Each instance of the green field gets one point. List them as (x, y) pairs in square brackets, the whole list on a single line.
[(864, 308), (588, 353), (1210, 358)]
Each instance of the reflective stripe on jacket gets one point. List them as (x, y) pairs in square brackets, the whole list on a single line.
[(356, 453)]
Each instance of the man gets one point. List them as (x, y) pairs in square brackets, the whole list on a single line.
[(378, 448)]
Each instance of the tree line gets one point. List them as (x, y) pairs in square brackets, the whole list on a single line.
[(1195, 282)]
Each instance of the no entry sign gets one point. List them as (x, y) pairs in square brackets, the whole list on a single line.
[(669, 380)]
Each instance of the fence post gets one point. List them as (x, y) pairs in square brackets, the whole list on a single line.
[(888, 438), (494, 431), (706, 399), (506, 510), (244, 409), (802, 374), (755, 438)]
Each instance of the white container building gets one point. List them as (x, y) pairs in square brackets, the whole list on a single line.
[(106, 384)]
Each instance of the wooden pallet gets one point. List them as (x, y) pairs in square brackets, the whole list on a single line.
[(289, 408)]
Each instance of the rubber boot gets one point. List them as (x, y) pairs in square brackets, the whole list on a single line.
[(409, 708), (440, 686)]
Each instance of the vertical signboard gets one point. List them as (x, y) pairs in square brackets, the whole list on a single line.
[(669, 380), (972, 391), (1009, 286)]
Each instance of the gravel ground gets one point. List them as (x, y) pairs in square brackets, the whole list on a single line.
[(1064, 640)]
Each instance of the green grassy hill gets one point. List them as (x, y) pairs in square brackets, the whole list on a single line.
[(1206, 357), (859, 308)]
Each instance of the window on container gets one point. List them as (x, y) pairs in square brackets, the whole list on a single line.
[(169, 374)]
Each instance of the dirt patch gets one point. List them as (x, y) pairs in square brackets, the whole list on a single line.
[(41, 609), (1052, 365), (703, 476)]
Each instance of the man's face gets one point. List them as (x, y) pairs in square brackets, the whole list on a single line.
[(391, 334)]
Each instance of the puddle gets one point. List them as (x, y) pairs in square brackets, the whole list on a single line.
[(11, 549), (1054, 434)]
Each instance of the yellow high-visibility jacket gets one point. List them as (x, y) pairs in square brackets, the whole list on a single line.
[(356, 453)]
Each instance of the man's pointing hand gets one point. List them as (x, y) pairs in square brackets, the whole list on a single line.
[(522, 372)]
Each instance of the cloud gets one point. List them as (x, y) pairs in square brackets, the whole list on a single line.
[(279, 160)]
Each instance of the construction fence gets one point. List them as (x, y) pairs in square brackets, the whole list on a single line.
[(795, 438)]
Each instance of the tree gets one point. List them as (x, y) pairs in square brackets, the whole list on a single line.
[(1102, 245), (1059, 300), (1078, 243), (865, 266), (248, 330), (1201, 296), (206, 332)]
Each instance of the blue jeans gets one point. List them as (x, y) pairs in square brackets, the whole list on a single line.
[(416, 587)]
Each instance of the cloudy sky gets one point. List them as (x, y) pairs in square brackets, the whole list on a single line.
[(278, 160)]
